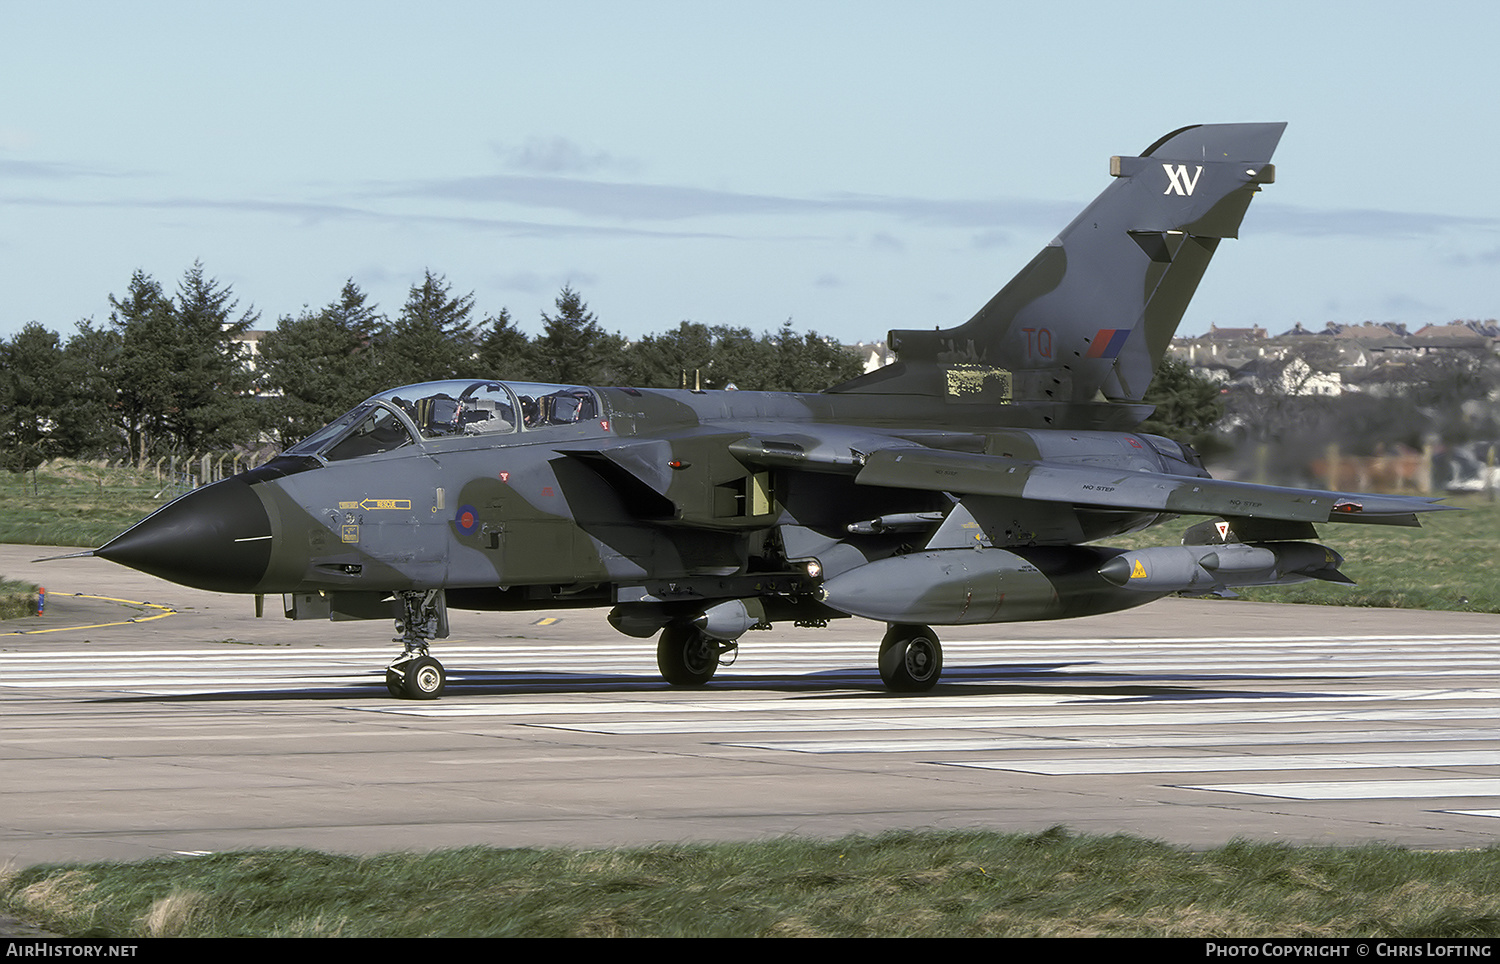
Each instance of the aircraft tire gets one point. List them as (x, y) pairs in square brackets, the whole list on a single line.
[(686, 656), (393, 684), (911, 658), (425, 679)]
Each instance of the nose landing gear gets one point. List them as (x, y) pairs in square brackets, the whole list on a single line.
[(414, 675)]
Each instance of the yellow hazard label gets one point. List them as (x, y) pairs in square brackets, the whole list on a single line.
[(351, 533), (1139, 572)]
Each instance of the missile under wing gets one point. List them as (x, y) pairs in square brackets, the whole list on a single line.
[(968, 482)]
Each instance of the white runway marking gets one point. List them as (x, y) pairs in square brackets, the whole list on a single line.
[(895, 721), (1208, 764), (1362, 789), (941, 744), (886, 705)]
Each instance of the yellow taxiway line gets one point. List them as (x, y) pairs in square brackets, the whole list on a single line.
[(165, 611)]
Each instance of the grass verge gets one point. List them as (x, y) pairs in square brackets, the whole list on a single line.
[(76, 503), (17, 599), (909, 884)]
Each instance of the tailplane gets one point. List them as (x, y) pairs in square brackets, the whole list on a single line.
[(1090, 317)]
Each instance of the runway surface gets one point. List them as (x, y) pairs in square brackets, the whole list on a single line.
[(188, 725)]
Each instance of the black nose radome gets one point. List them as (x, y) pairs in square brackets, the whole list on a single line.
[(216, 538)]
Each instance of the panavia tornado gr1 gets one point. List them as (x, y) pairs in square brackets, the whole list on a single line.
[(967, 482)]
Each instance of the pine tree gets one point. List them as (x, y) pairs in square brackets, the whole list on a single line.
[(88, 424), (32, 393), (1187, 405), (213, 384), (808, 362), (432, 338), (574, 349), (143, 376), (505, 351), (319, 365), (182, 381), (694, 355)]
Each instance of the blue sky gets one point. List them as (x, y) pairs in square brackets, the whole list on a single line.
[(852, 166)]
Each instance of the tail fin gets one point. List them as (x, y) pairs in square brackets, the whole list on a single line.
[(1093, 313)]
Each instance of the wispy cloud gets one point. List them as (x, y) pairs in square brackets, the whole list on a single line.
[(528, 281), (310, 212), (634, 201), (1403, 305), (1362, 222), (559, 155), (17, 139), (600, 207), (1481, 259), (596, 199), (991, 239), (52, 171)]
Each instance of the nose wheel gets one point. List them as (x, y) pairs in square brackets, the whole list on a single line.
[(416, 676)]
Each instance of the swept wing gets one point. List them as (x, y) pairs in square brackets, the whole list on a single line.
[(965, 473)]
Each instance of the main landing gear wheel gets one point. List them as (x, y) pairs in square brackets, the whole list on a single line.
[(686, 656), (421, 678), (911, 658)]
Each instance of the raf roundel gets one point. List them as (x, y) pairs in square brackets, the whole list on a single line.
[(467, 520)]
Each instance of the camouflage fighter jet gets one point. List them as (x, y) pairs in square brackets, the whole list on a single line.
[(964, 483)]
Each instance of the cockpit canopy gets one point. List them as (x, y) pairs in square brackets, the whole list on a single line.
[(448, 409)]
